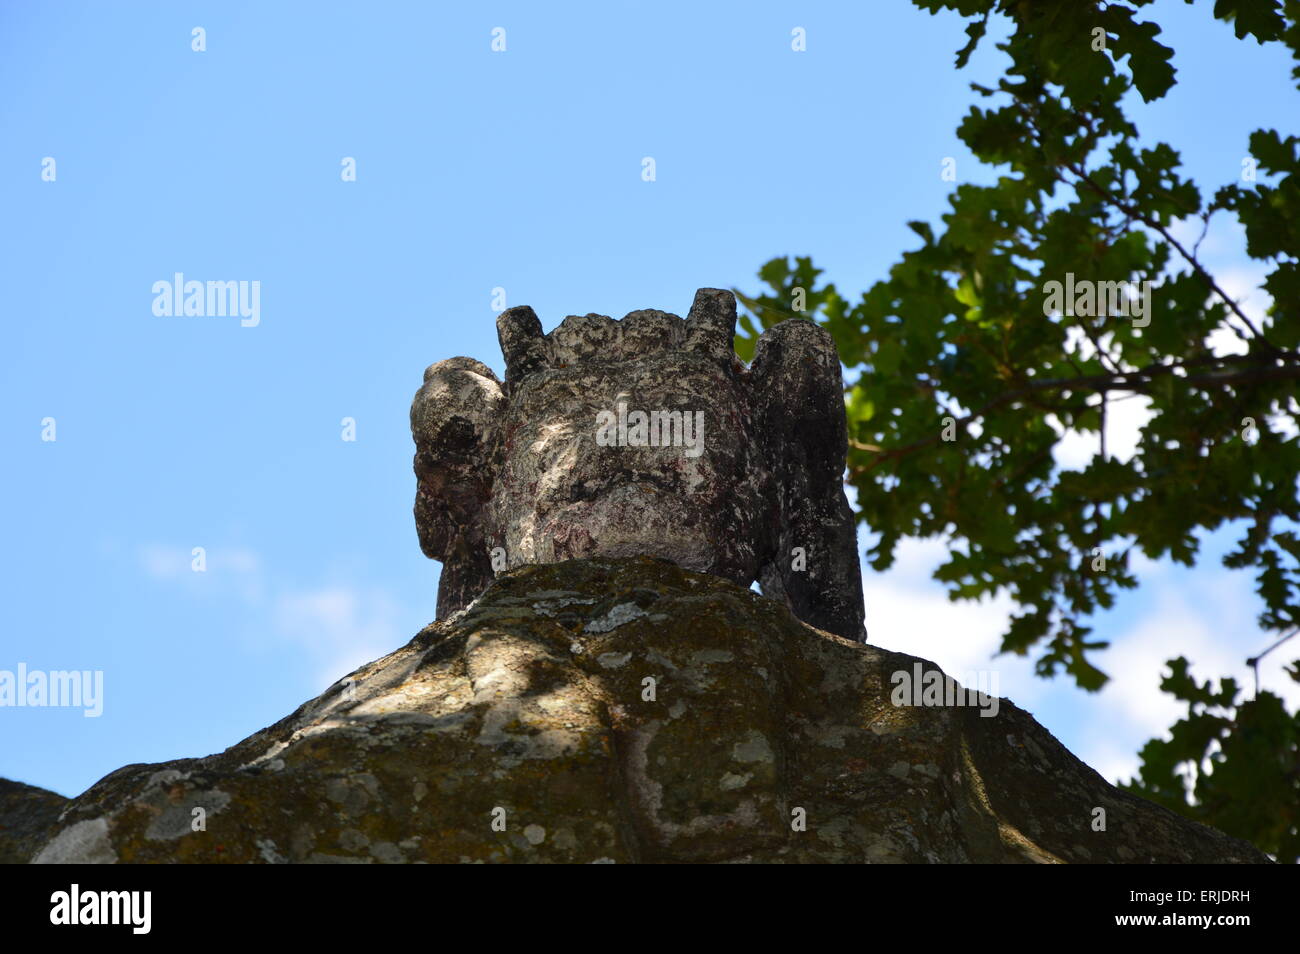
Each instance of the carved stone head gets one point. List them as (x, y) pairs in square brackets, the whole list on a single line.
[(643, 436)]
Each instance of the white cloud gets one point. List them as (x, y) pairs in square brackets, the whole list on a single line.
[(1074, 449), (1130, 709), (1124, 422), (163, 561), (1243, 284), (340, 626), (1207, 615), (909, 612), (1125, 417)]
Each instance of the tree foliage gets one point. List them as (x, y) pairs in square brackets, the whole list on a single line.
[(965, 377), (1236, 759)]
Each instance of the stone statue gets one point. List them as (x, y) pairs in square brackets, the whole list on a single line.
[(646, 436)]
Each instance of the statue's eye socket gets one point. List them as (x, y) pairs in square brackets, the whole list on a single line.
[(457, 435)]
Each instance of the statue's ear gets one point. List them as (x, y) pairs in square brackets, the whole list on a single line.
[(454, 422), (798, 397)]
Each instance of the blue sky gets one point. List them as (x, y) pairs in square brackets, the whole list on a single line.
[(475, 170)]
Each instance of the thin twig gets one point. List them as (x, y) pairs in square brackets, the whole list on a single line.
[(1253, 661)]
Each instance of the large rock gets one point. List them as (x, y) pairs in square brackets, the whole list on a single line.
[(27, 814), (525, 728)]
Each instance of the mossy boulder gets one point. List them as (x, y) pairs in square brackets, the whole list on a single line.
[(27, 814), (627, 711)]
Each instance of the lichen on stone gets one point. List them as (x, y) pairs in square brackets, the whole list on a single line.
[(485, 740)]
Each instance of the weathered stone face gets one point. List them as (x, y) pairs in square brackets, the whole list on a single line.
[(561, 495), (643, 436), (623, 710)]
